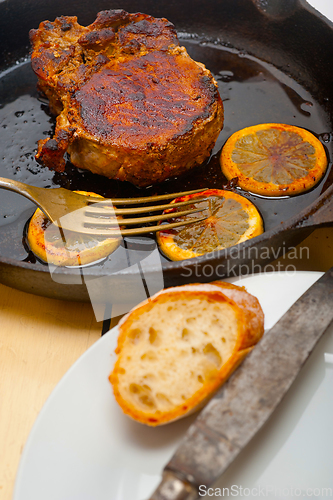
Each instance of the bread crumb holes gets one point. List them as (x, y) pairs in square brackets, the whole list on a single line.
[(153, 335), (134, 335), (149, 355), (147, 401), (212, 354), (185, 334)]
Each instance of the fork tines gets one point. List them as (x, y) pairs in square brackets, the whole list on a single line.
[(145, 199), (97, 210), (138, 230), (101, 216)]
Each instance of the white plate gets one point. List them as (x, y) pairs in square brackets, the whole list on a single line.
[(323, 6), (82, 447)]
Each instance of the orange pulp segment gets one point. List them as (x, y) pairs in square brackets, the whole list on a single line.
[(231, 219), (274, 159)]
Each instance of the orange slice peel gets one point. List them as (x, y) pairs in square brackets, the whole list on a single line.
[(274, 159), (66, 248), (230, 219)]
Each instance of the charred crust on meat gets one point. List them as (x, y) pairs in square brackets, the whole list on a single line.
[(64, 24), (101, 59), (131, 47), (131, 103), (37, 64), (49, 151), (47, 25), (157, 35), (32, 35), (163, 105), (111, 18), (54, 149), (97, 39), (51, 145)]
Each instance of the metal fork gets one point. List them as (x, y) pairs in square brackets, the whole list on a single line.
[(91, 215)]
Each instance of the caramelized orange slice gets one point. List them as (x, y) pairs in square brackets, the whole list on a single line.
[(274, 159), (231, 219), (51, 245)]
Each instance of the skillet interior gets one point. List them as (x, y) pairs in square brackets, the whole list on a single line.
[(292, 85)]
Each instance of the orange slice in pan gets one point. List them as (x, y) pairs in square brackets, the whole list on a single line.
[(274, 159), (50, 245), (231, 219)]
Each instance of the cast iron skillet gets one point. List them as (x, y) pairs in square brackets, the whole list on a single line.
[(287, 35)]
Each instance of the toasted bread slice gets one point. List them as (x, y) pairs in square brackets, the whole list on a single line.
[(176, 349)]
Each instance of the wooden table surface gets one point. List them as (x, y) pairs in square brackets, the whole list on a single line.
[(41, 338)]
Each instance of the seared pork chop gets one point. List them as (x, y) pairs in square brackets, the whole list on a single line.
[(131, 103)]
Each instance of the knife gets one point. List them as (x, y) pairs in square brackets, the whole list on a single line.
[(245, 402)]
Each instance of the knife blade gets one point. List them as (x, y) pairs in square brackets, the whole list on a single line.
[(245, 402)]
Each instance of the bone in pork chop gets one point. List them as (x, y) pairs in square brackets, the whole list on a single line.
[(131, 103)]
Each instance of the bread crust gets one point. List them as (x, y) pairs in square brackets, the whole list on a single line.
[(250, 328)]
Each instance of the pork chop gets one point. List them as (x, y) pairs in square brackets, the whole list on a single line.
[(131, 103)]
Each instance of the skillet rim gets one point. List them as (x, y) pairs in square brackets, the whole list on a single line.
[(294, 222)]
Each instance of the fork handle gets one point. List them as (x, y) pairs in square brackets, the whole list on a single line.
[(17, 187)]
